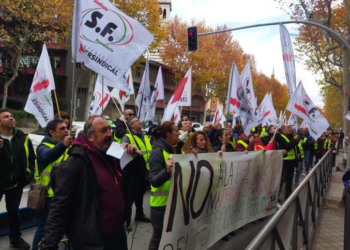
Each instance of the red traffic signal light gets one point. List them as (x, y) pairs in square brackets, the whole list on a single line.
[(192, 39)]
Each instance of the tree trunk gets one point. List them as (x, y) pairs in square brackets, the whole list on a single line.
[(92, 79)]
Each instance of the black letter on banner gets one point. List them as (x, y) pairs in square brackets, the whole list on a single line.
[(200, 164), (110, 27), (93, 22), (185, 204)]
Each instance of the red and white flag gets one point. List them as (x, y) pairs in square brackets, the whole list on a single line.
[(236, 99), (123, 96), (106, 39), (301, 105), (177, 97), (177, 116), (186, 96), (288, 59), (219, 116), (39, 102), (143, 95), (293, 121), (247, 84), (157, 94), (99, 99)]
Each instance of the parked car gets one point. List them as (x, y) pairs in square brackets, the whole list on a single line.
[(197, 126), (38, 135)]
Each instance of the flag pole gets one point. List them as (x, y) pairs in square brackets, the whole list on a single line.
[(58, 107), (279, 123), (134, 142)]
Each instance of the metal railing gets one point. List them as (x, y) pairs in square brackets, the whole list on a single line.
[(291, 226)]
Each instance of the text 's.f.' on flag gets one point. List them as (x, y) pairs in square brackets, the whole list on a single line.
[(106, 39), (301, 105), (176, 97), (288, 59)]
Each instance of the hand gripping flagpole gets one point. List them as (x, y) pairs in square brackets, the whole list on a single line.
[(133, 140)]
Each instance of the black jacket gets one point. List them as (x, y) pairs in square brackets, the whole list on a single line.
[(283, 144), (120, 128), (24, 177), (75, 208)]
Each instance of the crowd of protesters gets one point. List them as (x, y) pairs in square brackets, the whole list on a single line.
[(90, 197)]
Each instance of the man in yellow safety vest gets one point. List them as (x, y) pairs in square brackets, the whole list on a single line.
[(136, 172), (17, 161), (52, 150)]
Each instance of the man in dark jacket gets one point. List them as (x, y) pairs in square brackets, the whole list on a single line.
[(17, 162), (289, 143), (120, 129), (89, 203)]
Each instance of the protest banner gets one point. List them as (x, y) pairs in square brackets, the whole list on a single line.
[(213, 195)]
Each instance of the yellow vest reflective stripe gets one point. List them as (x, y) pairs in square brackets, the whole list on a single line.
[(302, 154), (26, 148), (315, 144), (243, 143), (146, 149), (159, 196), (327, 143), (259, 146), (119, 140), (233, 143), (45, 176), (290, 153), (262, 134)]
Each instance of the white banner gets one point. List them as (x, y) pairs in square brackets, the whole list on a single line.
[(41, 107), (288, 59), (106, 39), (213, 195), (123, 96), (99, 99)]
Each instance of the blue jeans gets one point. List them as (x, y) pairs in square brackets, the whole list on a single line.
[(13, 198), (307, 160), (298, 171), (43, 215)]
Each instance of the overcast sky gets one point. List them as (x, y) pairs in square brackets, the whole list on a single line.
[(262, 42)]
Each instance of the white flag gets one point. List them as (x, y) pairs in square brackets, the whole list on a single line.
[(186, 96), (143, 95), (288, 59), (247, 125), (347, 117), (219, 116), (261, 112), (293, 121), (39, 102), (305, 124), (270, 116), (176, 97), (236, 96), (99, 99), (177, 116), (106, 39), (122, 96), (301, 105), (247, 84), (157, 94)]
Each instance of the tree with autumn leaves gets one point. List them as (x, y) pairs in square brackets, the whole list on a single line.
[(321, 52), (211, 63), (24, 26)]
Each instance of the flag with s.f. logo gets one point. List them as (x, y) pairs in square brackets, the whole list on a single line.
[(106, 39)]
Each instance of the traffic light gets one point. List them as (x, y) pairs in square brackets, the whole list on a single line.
[(192, 39)]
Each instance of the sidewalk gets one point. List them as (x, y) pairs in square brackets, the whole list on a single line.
[(329, 232)]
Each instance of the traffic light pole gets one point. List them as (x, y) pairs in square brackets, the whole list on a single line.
[(339, 39)]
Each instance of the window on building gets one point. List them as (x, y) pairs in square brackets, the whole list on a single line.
[(82, 90), (22, 86), (170, 80), (213, 102), (57, 62), (164, 14), (78, 65), (29, 61), (195, 102)]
